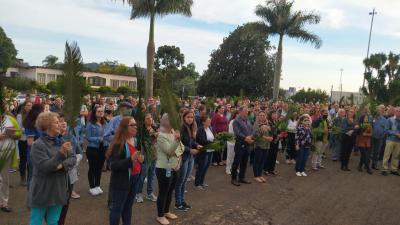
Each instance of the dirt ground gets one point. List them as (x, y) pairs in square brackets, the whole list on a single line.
[(328, 197)]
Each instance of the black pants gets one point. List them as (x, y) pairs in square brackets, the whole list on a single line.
[(291, 148), (241, 158), (365, 157), (96, 157), (216, 157), (22, 149), (166, 186), (347, 146), (269, 165), (64, 211)]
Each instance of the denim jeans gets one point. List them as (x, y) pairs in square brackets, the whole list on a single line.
[(184, 172), (204, 161), (148, 170), (122, 201), (377, 144), (51, 213), (301, 158), (260, 156)]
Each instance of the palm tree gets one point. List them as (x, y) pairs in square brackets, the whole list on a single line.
[(280, 19), (50, 61), (151, 9)]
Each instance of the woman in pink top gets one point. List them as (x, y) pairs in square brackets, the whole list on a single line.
[(219, 124)]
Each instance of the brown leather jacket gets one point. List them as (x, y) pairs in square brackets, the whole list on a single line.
[(364, 138)]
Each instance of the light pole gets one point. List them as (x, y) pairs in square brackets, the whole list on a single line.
[(373, 13), (341, 85)]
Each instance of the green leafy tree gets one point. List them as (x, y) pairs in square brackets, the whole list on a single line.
[(169, 57), (309, 95), (54, 87), (124, 90), (151, 9), (122, 69), (8, 55), (279, 17), (105, 90), (72, 83), (20, 83), (41, 88), (242, 61), (50, 61), (383, 78)]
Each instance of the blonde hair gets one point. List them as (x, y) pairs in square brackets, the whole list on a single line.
[(44, 120)]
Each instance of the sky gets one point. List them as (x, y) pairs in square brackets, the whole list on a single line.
[(104, 31)]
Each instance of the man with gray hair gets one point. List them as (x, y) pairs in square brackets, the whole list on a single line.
[(244, 132), (392, 144)]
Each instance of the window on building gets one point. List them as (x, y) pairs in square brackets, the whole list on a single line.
[(114, 83), (124, 83), (41, 78), (132, 84), (51, 77), (97, 81), (13, 74)]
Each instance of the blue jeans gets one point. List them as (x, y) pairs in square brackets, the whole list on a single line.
[(122, 201), (377, 144), (260, 157), (184, 172), (148, 170), (51, 213), (301, 158), (204, 160)]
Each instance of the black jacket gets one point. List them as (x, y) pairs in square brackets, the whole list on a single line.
[(187, 141), (120, 166), (201, 137)]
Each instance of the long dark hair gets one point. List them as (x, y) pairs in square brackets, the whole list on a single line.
[(192, 128), (120, 137), (30, 119), (93, 117)]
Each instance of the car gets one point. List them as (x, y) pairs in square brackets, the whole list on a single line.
[(20, 99)]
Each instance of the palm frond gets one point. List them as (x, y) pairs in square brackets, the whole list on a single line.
[(72, 83), (169, 103), (165, 7), (305, 36)]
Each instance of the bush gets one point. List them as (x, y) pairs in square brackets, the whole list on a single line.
[(20, 83)]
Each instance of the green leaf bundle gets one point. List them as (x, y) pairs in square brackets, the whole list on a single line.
[(169, 103), (72, 83)]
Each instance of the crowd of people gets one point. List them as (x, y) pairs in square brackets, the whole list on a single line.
[(106, 132)]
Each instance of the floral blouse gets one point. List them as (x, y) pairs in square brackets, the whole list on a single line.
[(303, 137)]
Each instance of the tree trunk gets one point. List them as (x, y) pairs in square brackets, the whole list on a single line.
[(278, 69), (150, 59)]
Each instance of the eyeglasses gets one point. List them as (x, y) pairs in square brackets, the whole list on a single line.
[(133, 125)]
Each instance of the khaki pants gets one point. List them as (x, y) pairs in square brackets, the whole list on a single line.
[(392, 148)]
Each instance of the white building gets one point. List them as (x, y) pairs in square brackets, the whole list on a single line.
[(358, 97), (44, 75)]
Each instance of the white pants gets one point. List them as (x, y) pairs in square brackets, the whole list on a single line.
[(230, 156)]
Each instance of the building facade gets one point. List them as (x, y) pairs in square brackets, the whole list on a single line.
[(44, 75), (356, 97)]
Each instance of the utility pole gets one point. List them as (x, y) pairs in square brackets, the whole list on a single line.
[(341, 85), (373, 13)]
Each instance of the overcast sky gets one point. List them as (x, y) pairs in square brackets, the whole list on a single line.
[(104, 32)]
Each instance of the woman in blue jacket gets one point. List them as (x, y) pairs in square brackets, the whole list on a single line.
[(95, 151)]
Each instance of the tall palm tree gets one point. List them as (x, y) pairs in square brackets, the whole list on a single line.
[(151, 9), (280, 19)]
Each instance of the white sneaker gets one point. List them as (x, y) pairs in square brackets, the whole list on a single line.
[(139, 198), (93, 191), (152, 197), (99, 191), (303, 174), (298, 174), (277, 162)]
